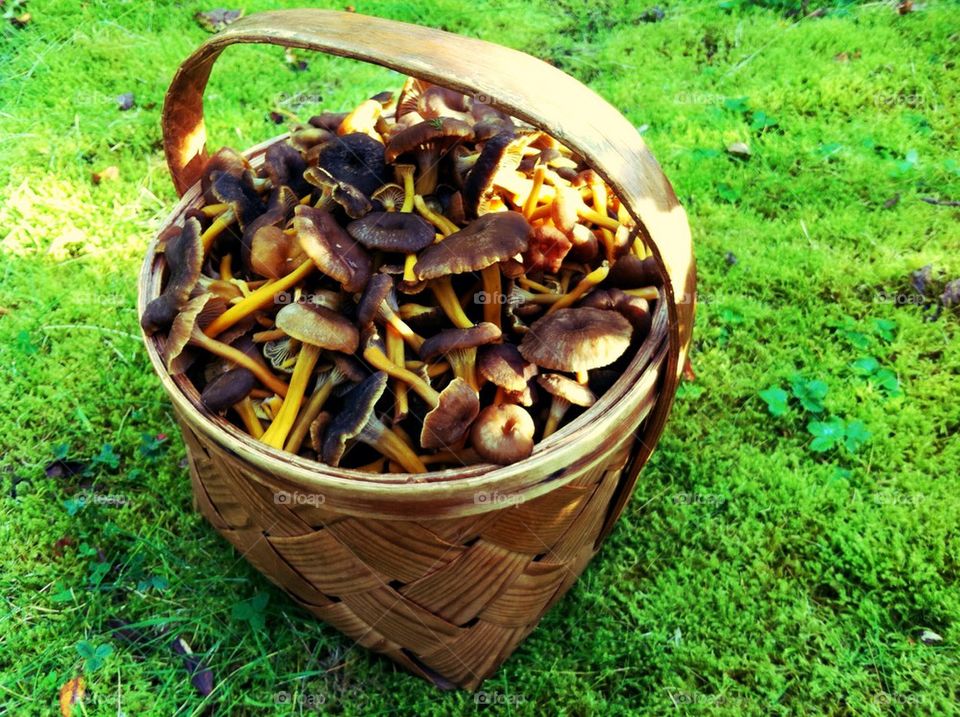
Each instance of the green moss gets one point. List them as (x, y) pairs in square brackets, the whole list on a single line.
[(749, 575)]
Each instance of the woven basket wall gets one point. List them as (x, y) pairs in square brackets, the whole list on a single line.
[(447, 576)]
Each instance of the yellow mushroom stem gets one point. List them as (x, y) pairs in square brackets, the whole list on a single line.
[(531, 203), (372, 467), (408, 263), (259, 299), (397, 355), (225, 351), (433, 369), (223, 220), (558, 409), (465, 457), (261, 337), (226, 270), (531, 285), (400, 326), (305, 199), (309, 413), (463, 362), (450, 303), (276, 434), (445, 226), (650, 293), (394, 448), (583, 377), (260, 393), (586, 283), (609, 242), (380, 361), (212, 210), (500, 396), (244, 409), (492, 294), (591, 215)]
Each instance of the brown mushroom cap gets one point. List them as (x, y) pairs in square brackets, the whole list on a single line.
[(636, 309), (577, 339), (479, 181), (280, 206), (632, 272), (567, 389), (449, 340), (184, 256), (284, 166), (503, 366), (239, 195), (485, 241), (355, 159), (318, 326), (334, 251), (392, 231), (226, 160), (357, 415), (503, 434), (547, 250), (390, 197), (451, 419), (378, 289), (431, 130), (227, 389)]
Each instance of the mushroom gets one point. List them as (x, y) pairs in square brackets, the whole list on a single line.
[(392, 231), (500, 154), (452, 410), (344, 369), (576, 339), (186, 330), (379, 303), (184, 257), (459, 348), (479, 246), (505, 368), (333, 251), (632, 272), (355, 159), (284, 166), (565, 393), (226, 160), (590, 280), (636, 309), (242, 202), (329, 121), (547, 249), (358, 422), (503, 434), (429, 139), (363, 119), (317, 328), (227, 389), (271, 260), (390, 197)]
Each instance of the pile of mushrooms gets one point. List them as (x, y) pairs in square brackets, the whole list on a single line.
[(418, 284)]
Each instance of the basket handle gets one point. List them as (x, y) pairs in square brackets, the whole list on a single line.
[(514, 82)]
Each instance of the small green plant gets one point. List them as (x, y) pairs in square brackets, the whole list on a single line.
[(93, 655)]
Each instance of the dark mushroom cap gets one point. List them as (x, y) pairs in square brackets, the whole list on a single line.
[(443, 102), (392, 231), (226, 160), (355, 159), (328, 120), (567, 389), (358, 411), (280, 206), (184, 256), (449, 340), (316, 325), (347, 365), (318, 429), (503, 434), (632, 272), (284, 165), (451, 419), (389, 197), (239, 195), (432, 130), (181, 330), (485, 241), (354, 202), (378, 289), (479, 181), (227, 389), (636, 309), (577, 339), (503, 366), (334, 251)]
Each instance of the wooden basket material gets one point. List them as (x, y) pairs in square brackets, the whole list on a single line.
[(447, 576)]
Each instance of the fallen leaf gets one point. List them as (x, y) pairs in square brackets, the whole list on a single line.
[(276, 118), (217, 19), (951, 293), (350, 8), (21, 21), (929, 637), (61, 468), (296, 64), (920, 278), (841, 57), (740, 150), (730, 258), (688, 374), (892, 201), (71, 693), (109, 174), (62, 543), (4, 311), (906, 6), (201, 676), (653, 14), (126, 101)]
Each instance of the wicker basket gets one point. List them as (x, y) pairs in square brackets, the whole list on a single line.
[(448, 576)]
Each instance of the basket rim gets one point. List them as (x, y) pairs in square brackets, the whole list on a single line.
[(613, 408)]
